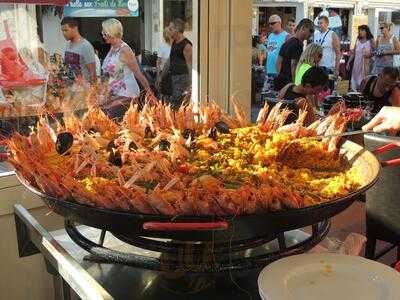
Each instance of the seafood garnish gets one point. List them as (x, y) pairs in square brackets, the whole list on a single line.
[(161, 161)]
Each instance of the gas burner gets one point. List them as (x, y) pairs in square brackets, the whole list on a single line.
[(197, 256)]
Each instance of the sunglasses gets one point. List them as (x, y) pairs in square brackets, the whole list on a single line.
[(381, 28), (272, 23)]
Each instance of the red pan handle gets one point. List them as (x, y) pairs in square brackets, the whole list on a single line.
[(384, 148), (4, 156), (390, 163), (172, 226)]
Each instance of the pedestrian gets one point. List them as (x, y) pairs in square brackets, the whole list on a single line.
[(180, 61), (98, 63), (275, 41), (330, 43), (387, 45), (79, 56), (382, 89), (164, 51), (262, 48), (290, 27), (311, 57), (312, 83), (360, 57), (303, 95), (335, 22), (254, 51), (163, 81), (258, 66), (121, 69), (258, 50), (290, 53)]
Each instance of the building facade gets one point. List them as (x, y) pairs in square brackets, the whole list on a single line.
[(353, 12)]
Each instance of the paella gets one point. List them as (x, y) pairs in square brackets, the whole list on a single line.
[(188, 162)]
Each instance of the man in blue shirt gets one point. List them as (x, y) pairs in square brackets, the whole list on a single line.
[(275, 41)]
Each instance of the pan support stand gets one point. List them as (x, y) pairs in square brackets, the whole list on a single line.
[(100, 243), (102, 237), (281, 241), (169, 261)]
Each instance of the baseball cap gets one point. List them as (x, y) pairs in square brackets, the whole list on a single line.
[(275, 18)]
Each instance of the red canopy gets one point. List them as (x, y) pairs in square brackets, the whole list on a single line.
[(40, 2)]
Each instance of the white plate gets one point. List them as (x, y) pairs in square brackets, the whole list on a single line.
[(328, 276)]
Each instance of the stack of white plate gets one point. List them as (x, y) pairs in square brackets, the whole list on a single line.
[(328, 276)]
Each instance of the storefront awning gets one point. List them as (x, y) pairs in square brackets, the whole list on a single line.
[(94, 8), (39, 2)]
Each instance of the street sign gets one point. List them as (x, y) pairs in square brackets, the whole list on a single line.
[(102, 8)]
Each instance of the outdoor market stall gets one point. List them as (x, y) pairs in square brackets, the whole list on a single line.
[(194, 202)]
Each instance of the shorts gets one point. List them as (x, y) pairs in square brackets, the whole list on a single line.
[(180, 84)]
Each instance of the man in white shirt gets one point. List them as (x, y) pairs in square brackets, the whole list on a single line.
[(335, 22), (330, 43)]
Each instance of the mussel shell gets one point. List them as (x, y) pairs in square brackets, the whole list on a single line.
[(148, 133), (164, 145), (213, 133), (132, 146), (64, 142), (92, 130), (189, 133), (222, 127), (111, 145), (115, 158)]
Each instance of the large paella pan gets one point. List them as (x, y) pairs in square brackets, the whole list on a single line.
[(165, 173)]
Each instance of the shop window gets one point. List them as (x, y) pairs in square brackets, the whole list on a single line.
[(39, 51)]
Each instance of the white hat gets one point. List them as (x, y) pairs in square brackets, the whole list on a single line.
[(275, 19)]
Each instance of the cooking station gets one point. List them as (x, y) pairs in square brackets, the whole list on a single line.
[(119, 270), (119, 254)]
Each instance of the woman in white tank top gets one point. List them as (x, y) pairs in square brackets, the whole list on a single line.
[(120, 78), (331, 46), (324, 39), (122, 69)]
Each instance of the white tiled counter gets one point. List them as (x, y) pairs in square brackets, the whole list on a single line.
[(22, 278)]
